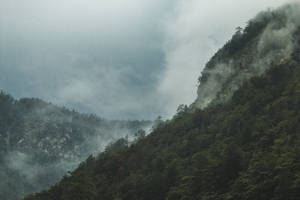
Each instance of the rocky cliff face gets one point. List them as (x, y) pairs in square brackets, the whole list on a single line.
[(270, 38)]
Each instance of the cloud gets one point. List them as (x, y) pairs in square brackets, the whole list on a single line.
[(195, 31), (96, 56), (124, 59)]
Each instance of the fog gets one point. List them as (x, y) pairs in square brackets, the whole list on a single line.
[(272, 46), (124, 59), (119, 59), (41, 142)]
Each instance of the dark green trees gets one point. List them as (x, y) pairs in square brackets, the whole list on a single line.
[(247, 149)]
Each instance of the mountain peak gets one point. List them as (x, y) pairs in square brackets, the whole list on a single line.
[(271, 37)]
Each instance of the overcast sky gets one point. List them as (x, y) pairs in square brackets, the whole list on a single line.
[(121, 59)]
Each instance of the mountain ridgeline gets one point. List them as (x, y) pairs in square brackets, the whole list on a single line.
[(240, 140), (40, 142), (268, 39)]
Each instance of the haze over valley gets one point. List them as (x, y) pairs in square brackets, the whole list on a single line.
[(143, 100)]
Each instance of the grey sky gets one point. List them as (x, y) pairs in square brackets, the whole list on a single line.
[(125, 59)]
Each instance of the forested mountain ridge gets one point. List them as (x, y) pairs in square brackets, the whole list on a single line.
[(267, 39), (40, 142), (243, 144)]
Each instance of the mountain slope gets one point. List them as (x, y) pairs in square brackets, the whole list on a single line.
[(40, 142), (243, 146), (267, 39), (246, 149)]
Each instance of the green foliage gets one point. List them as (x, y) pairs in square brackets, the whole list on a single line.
[(245, 149), (248, 148), (49, 139), (117, 146)]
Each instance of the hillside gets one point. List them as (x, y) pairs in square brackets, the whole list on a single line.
[(241, 140), (40, 142), (245, 149), (267, 39)]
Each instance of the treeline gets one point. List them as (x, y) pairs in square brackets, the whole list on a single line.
[(247, 148), (40, 142)]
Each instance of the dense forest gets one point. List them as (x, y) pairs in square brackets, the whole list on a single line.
[(243, 144), (40, 142)]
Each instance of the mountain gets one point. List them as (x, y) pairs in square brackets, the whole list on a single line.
[(267, 39), (40, 142), (240, 139)]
